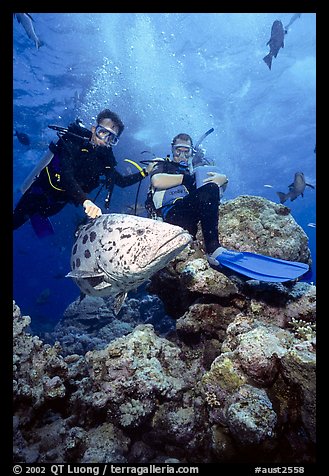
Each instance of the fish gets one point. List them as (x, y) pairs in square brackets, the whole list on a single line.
[(275, 42), (26, 20), (312, 225), (43, 296), (292, 19), (22, 137), (268, 186), (116, 253), (295, 189)]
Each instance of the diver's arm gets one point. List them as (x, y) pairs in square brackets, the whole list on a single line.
[(164, 181), (126, 180)]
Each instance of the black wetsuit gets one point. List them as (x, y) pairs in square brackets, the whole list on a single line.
[(74, 171), (199, 205)]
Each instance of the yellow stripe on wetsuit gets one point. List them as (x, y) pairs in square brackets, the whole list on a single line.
[(126, 160), (56, 188)]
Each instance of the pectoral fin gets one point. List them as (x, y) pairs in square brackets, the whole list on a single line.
[(119, 300), (84, 274), (309, 185)]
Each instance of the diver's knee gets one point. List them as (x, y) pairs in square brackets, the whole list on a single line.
[(209, 189)]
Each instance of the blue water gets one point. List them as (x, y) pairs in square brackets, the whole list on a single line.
[(163, 74)]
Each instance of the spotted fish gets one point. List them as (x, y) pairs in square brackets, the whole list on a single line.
[(115, 253)]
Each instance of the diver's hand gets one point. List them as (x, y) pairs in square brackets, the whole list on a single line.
[(151, 165), (91, 209), (218, 179)]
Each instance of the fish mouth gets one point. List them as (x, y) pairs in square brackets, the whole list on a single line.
[(168, 249), (181, 233), (183, 238)]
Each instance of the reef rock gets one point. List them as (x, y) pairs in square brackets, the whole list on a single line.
[(132, 373), (234, 381), (39, 370), (90, 323), (197, 276), (246, 223), (250, 417), (299, 367), (210, 320), (106, 443), (251, 223)]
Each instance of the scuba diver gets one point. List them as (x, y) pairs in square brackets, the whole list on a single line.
[(185, 191), (175, 198), (72, 169)]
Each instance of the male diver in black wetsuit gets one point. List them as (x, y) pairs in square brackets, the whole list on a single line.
[(176, 198), (80, 158)]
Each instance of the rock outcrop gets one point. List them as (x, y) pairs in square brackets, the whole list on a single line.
[(233, 380)]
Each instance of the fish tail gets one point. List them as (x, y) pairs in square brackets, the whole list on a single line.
[(268, 60), (282, 196), (38, 43)]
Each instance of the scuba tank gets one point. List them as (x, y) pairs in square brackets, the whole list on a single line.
[(36, 171), (75, 130)]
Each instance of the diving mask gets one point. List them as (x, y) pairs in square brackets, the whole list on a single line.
[(106, 135), (182, 151)]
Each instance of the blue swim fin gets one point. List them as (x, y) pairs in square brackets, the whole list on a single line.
[(256, 266), (41, 225)]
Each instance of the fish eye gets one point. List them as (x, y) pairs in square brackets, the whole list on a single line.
[(140, 231)]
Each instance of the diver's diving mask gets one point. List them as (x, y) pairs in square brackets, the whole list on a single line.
[(106, 135), (182, 151)]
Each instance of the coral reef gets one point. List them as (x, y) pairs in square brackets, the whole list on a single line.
[(249, 223), (234, 381), (90, 323)]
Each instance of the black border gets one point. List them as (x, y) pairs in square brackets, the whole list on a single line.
[(6, 177)]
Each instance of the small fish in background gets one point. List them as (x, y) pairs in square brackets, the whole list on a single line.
[(268, 186), (312, 225), (295, 189), (22, 138), (43, 296), (275, 42), (292, 19), (26, 21)]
